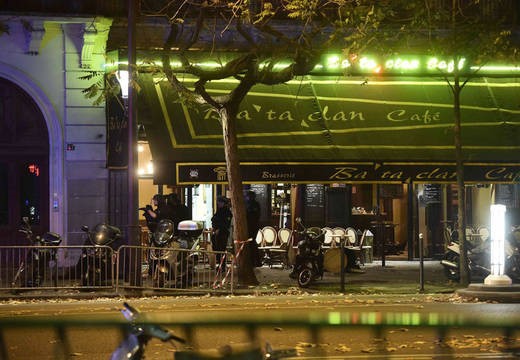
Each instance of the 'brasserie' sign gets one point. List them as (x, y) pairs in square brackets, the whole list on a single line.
[(349, 173)]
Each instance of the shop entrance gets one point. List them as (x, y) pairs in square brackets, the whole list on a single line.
[(24, 175)]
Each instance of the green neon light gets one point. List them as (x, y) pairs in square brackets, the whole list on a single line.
[(433, 319), (402, 64), (334, 318), (369, 318), (365, 64), (496, 68), (449, 66), (416, 319), (333, 62)]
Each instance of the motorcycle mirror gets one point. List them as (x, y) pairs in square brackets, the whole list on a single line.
[(299, 220), (25, 219), (85, 228), (129, 312)]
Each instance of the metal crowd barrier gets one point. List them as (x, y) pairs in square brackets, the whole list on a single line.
[(436, 330), (101, 268), (172, 269)]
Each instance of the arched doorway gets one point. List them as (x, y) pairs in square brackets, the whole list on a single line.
[(24, 163)]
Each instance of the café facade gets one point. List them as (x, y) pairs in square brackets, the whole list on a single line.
[(342, 150)]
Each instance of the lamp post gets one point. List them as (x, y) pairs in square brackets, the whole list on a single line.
[(497, 276), (122, 78)]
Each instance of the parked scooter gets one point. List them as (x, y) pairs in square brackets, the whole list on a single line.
[(133, 346), (39, 260), (479, 258), (309, 258), (162, 254), (513, 254), (97, 263), (169, 258)]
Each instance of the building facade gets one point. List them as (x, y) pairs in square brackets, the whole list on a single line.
[(62, 182)]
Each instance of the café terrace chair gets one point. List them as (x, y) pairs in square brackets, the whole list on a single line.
[(484, 233), (327, 239), (364, 246), (259, 239), (278, 253), (352, 238), (270, 237), (338, 233), (360, 248), (284, 236), (473, 236), (469, 231)]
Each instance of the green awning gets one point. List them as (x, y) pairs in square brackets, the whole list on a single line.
[(319, 119)]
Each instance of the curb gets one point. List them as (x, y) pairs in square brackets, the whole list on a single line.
[(498, 293)]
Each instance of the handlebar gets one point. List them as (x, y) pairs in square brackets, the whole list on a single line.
[(132, 314)]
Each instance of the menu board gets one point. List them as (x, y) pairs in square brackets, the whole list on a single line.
[(505, 195), (432, 194), (315, 195), (314, 199)]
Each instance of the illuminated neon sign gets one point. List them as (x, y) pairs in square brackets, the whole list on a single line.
[(363, 64), (398, 64)]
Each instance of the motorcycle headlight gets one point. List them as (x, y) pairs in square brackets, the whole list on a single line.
[(164, 232)]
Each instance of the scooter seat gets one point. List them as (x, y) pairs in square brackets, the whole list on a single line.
[(51, 238)]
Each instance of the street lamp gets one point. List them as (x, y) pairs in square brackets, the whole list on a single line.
[(122, 77), (497, 276)]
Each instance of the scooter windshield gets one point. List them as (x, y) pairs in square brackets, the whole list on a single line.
[(103, 234), (164, 232)]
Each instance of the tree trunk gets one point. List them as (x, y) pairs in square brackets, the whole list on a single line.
[(461, 207), (246, 274)]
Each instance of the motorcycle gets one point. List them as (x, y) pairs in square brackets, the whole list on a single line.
[(309, 258), (512, 262), (479, 258), (133, 346), (97, 263), (168, 258), (32, 270)]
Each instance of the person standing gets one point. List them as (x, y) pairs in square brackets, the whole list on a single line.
[(220, 223), (179, 211), (253, 224), (155, 212)]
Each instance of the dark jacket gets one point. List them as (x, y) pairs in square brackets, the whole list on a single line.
[(253, 217), (221, 220)]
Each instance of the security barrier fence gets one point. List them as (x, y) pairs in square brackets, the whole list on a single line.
[(375, 330), (26, 268)]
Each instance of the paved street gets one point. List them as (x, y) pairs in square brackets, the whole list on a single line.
[(355, 341), (277, 309)]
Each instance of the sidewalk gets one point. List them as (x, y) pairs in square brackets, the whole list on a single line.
[(396, 277)]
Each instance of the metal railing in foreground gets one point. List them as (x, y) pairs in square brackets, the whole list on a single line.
[(436, 328), (101, 268)]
